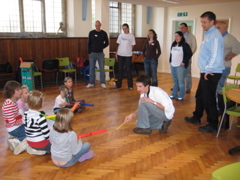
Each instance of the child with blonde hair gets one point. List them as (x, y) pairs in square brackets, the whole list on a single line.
[(36, 126), (66, 148), (13, 119), (22, 101)]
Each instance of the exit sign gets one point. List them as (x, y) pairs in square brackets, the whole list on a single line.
[(182, 14)]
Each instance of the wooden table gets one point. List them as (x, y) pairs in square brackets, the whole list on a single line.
[(234, 95)]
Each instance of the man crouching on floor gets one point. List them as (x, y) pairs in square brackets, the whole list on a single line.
[(155, 108)]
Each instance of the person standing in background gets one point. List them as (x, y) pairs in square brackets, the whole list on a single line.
[(126, 42), (210, 62), (231, 49), (191, 40), (97, 41), (151, 53)]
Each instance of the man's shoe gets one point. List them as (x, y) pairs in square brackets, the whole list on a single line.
[(30, 150), (188, 91), (90, 85), (13, 143), (207, 128), (193, 120), (115, 87), (22, 146), (165, 126), (103, 86), (142, 131)]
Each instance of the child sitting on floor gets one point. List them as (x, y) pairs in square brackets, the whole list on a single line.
[(36, 126), (61, 100), (66, 148), (13, 119), (22, 101), (70, 95)]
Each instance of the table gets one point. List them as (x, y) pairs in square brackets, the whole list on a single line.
[(234, 95)]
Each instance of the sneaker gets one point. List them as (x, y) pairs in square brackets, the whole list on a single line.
[(90, 85), (103, 86), (165, 126), (86, 156), (13, 143), (193, 120), (22, 146), (207, 128), (142, 131), (30, 150), (188, 91), (171, 96), (130, 88), (179, 99)]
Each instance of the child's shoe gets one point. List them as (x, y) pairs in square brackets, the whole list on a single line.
[(30, 150), (86, 156), (13, 143), (22, 146)]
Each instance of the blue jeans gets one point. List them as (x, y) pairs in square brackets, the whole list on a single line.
[(128, 63), (188, 78), (150, 116), (223, 78), (150, 66), (19, 133), (93, 57), (178, 75), (85, 147)]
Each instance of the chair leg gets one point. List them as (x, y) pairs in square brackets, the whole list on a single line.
[(230, 127), (41, 82), (75, 77), (56, 77), (220, 125)]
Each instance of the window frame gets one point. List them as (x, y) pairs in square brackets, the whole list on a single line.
[(23, 34), (120, 23)]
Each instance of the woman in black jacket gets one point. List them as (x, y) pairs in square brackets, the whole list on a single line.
[(179, 57)]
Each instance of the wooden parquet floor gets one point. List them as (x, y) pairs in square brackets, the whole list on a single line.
[(183, 153)]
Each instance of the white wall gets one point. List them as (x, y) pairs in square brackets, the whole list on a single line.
[(76, 27)]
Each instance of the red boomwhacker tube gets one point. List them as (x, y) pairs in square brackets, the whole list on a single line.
[(92, 133), (74, 106)]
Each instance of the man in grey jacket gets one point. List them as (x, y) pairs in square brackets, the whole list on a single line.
[(191, 40)]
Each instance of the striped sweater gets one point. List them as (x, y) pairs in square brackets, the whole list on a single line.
[(11, 115), (36, 127)]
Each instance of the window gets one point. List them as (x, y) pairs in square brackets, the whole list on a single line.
[(121, 13), (27, 18)]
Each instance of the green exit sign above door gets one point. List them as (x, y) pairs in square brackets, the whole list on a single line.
[(182, 14)]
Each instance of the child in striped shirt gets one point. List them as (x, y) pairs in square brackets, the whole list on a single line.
[(13, 119), (36, 126)]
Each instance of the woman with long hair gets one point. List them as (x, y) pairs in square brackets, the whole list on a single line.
[(179, 57)]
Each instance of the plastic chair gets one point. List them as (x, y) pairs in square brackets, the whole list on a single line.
[(36, 72), (234, 110), (228, 172), (235, 77), (80, 64), (64, 62), (50, 66), (109, 62)]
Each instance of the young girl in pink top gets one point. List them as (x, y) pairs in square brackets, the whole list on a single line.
[(22, 102)]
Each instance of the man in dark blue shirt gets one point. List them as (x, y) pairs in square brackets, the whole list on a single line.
[(97, 41)]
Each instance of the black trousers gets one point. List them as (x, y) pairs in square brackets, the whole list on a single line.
[(206, 98)]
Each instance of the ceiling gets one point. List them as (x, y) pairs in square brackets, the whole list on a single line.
[(163, 3)]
